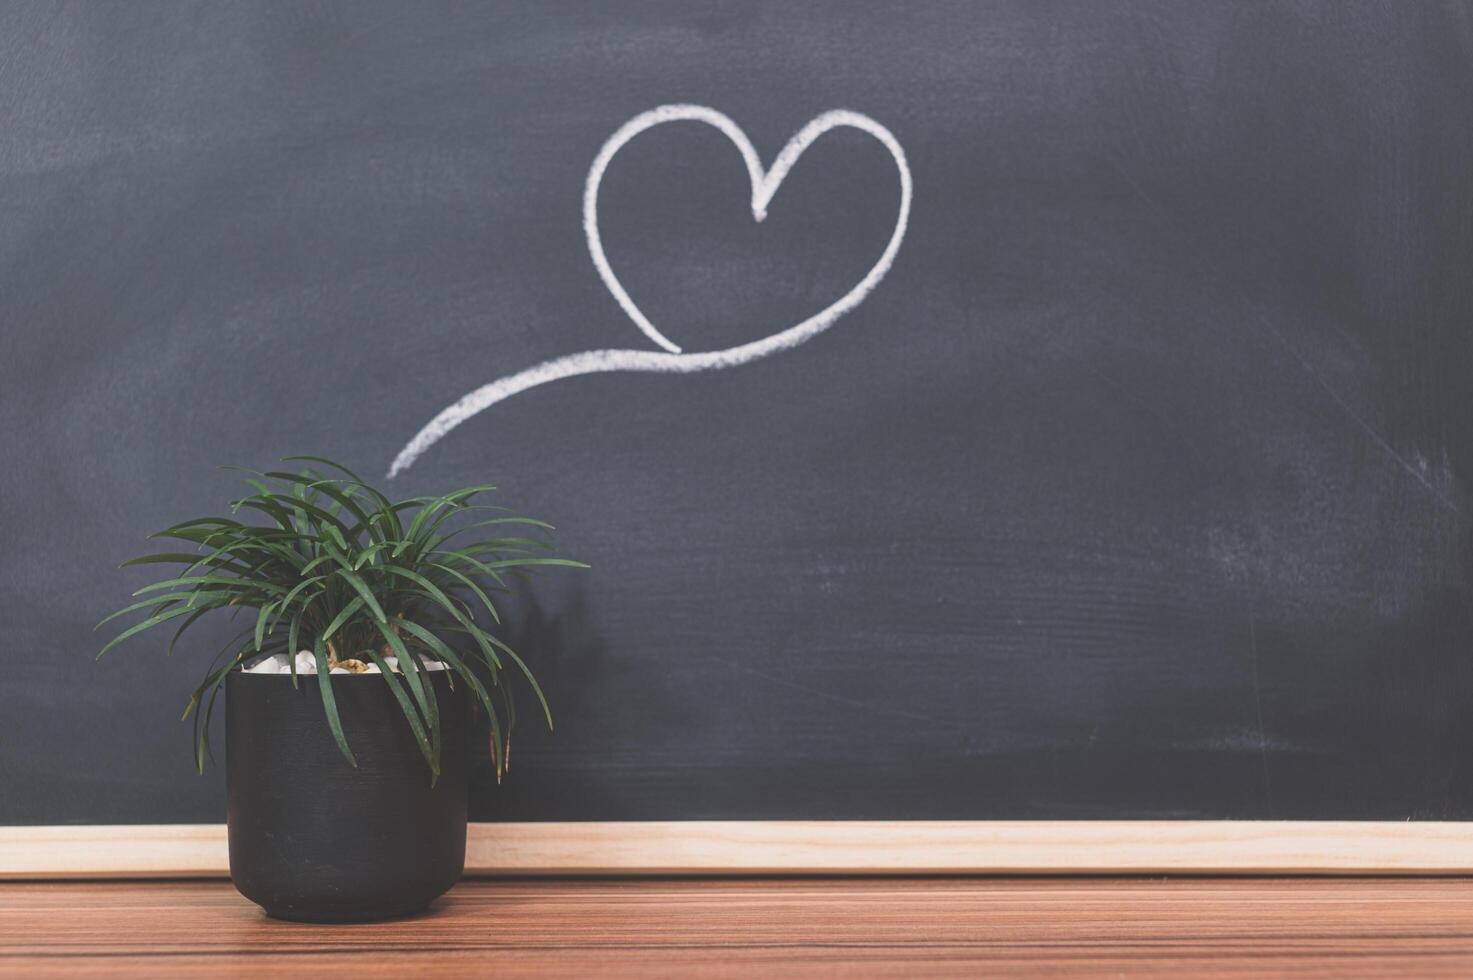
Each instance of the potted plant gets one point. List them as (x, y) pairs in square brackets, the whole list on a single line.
[(366, 645)]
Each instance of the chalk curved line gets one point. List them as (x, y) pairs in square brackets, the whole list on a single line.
[(673, 361)]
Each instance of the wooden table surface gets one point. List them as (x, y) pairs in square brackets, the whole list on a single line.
[(766, 927)]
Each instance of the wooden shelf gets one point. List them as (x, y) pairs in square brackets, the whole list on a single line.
[(816, 847)]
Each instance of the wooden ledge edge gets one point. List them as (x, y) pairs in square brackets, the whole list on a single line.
[(812, 847)]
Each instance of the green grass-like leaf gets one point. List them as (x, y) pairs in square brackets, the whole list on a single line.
[(340, 570)]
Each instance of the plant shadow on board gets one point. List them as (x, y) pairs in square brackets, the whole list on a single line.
[(598, 702)]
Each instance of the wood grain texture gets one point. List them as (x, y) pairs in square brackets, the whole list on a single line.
[(810, 927), (814, 847)]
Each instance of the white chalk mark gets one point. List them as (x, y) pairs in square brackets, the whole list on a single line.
[(764, 185)]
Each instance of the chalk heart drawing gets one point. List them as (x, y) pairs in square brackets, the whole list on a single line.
[(671, 359)]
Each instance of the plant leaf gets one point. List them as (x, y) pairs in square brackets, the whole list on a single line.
[(361, 587), (329, 701), (411, 714), (342, 617), (140, 627)]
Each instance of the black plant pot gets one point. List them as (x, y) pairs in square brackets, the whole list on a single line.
[(315, 840)]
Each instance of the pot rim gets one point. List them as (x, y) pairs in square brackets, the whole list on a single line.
[(241, 672)]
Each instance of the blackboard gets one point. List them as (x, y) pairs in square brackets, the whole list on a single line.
[(1136, 488)]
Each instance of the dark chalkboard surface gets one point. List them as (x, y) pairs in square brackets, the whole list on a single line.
[(1138, 487)]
